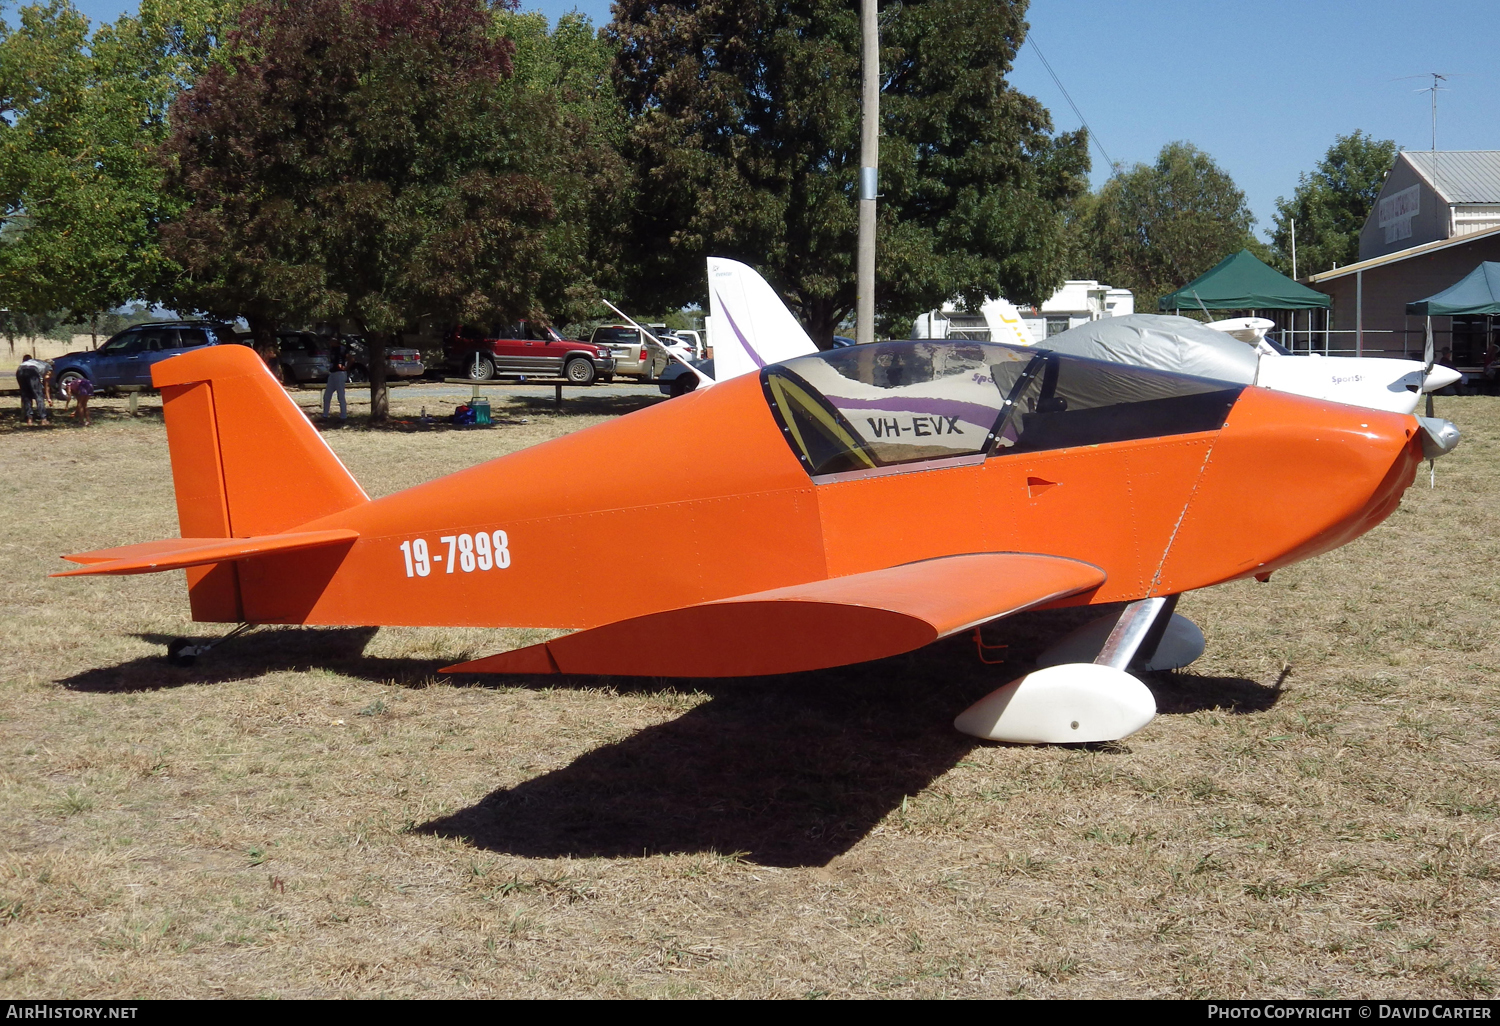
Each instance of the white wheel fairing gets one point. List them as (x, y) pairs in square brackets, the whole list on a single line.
[(1076, 702)]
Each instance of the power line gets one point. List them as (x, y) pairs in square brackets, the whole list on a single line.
[(1093, 136)]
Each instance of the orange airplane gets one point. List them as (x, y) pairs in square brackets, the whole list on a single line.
[(833, 508)]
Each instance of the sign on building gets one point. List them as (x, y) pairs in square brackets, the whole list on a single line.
[(1396, 211)]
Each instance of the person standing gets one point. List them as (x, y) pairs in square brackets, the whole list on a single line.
[(34, 377), (338, 377)]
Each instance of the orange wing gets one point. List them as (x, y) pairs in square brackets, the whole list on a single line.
[(809, 626)]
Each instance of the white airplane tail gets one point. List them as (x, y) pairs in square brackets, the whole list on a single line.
[(751, 325), (1005, 323)]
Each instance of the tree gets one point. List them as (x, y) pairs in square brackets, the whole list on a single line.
[(18, 324), (1332, 204), (568, 70), (82, 115), (368, 160), (744, 137), (1154, 228)]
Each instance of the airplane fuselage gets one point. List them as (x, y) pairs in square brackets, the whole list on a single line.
[(718, 504)]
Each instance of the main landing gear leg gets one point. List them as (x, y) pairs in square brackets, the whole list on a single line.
[(185, 651), (1175, 642), (1079, 702)]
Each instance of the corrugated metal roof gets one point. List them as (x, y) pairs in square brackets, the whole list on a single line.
[(1460, 176), (1403, 254)]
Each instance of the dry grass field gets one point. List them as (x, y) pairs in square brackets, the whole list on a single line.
[(46, 348), (319, 813)]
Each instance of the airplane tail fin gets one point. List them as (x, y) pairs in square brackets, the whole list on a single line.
[(752, 326), (245, 462), (1005, 324)]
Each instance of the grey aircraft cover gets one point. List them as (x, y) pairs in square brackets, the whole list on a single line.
[(1180, 345)]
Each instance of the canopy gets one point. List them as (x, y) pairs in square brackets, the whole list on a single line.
[(1478, 293), (1179, 345), (1241, 282)]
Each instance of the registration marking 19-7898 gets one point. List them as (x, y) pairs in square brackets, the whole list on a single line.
[(466, 552)]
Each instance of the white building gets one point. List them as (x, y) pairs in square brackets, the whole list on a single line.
[(1077, 302)]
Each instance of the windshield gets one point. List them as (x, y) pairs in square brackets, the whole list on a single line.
[(869, 407), (127, 342)]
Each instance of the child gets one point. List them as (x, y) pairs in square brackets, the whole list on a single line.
[(81, 389)]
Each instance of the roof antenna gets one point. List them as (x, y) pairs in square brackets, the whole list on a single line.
[(1434, 89)]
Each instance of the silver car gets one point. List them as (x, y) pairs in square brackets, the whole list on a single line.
[(302, 356), (400, 361)]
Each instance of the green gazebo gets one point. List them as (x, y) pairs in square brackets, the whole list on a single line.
[(1241, 282)]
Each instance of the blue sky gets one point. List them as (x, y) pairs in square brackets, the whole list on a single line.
[(1263, 87)]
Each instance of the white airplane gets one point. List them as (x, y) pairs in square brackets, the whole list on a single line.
[(1224, 350), (1380, 383), (1001, 319)]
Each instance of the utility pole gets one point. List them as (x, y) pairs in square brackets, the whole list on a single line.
[(1294, 247), (869, 164)]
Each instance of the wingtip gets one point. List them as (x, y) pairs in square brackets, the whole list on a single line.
[(86, 570)]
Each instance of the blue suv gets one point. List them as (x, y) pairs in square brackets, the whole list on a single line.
[(125, 360)]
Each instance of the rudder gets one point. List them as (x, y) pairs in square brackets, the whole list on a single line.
[(752, 326), (245, 462)]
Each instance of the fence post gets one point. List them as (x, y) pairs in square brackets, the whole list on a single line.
[(1359, 313)]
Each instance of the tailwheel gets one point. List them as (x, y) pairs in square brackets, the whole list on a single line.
[(182, 652), (185, 651)]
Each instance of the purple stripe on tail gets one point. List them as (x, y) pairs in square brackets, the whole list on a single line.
[(738, 333)]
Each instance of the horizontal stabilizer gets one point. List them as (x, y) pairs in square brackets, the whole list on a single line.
[(177, 553), (809, 626)]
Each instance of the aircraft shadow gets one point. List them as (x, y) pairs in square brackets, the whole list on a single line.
[(575, 405), (337, 648), (1181, 692), (405, 425), (785, 771)]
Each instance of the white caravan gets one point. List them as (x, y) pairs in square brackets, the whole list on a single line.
[(997, 320)]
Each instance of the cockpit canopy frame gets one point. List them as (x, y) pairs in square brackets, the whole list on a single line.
[(892, 407)]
